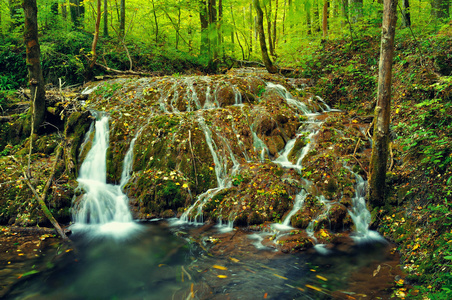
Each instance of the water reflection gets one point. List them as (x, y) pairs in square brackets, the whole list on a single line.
[(187, 262)]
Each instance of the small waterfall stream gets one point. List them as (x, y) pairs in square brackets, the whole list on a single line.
[(361, 215), (103, 209)]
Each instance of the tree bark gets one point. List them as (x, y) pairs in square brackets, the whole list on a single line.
[(105, 18), (156, 23), (274, 27), (260, 28), (122, 18), (381, 135), (325, 18), (33, 53), (204, 48), (406, 15)]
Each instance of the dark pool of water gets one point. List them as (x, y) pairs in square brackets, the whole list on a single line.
[(158, 264)]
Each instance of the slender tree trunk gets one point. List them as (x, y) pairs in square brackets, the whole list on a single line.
[(92, 63), (284, 20), (122, 18), (325, 18), (204, 20), (406, 15), (33, 53), (260, 28), (212, 10), (236, 33), (274, 27), (268, 12), (381, 135), (105, 18), (252, 28), (220, 27), (156, 23)]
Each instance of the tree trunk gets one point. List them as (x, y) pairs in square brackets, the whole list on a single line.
[(236, 33), (379, 158), (105, 18), (268, 12), (156, 23), (406, 15), (122, 18), (33, 53), (213, 40), (92, 63), (274, 27), (204, 48), (325, 18), (260, 28)]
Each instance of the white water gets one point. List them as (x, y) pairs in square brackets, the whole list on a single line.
[(220, 173), (103, 209), (360, 214)]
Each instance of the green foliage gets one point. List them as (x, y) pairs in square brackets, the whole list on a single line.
[(13, 71)]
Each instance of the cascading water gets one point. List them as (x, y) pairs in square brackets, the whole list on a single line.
[(360, 214), (103, 209)]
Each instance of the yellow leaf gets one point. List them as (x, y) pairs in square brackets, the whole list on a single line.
[(416, 246), (321, 277), (279, 276), (185, 185), (234, 259), (314, 287), (219, 267), (161, 265), (222, 276), (177, 183)]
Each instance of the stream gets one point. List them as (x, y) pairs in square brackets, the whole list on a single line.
[(166, 262), (115, 256)]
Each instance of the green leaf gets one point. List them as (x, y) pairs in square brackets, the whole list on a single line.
[(30, 273)]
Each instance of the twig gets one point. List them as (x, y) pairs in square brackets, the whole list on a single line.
[(356, 147), (41, 200)]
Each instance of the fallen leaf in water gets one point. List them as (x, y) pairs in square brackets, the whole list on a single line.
[(191, 291), (219, 267), (234, 259), (279, 276), (265, 295), (377, 270), (313, 287), (162, 265), (222, 276), (299, 288), (321, 277)]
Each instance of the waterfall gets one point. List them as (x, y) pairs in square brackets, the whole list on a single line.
[(360, 214), (103, 209)]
